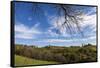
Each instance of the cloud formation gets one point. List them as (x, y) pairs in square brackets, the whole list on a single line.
[(25, 32)]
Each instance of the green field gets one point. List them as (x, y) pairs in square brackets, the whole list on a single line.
[(21, 61)]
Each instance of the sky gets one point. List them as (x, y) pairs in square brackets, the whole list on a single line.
[(38, 26)]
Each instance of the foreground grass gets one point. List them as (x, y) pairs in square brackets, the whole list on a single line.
[(21, 61)]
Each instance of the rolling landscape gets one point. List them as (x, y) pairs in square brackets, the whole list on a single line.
[(32, 55)]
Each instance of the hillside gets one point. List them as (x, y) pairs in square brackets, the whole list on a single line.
[(63, 55)]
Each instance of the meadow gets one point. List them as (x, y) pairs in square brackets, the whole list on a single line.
[(21, 61)]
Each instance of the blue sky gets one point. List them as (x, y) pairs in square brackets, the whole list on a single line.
[(40, 28)]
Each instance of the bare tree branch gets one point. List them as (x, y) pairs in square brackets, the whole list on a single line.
[(71, 17)]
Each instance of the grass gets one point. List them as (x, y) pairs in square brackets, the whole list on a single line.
[(22, 61)]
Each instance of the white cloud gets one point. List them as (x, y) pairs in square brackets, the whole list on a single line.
[(57, 24), (36, 25), (29, 18), (54, 40), (24, 29), (24, 36), (25, 32), (89, 19), (51, 33), (66, 40)]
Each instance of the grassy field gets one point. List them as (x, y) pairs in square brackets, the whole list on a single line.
[(21, 61)]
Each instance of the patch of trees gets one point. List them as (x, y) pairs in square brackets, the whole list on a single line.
[(72, 54)]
